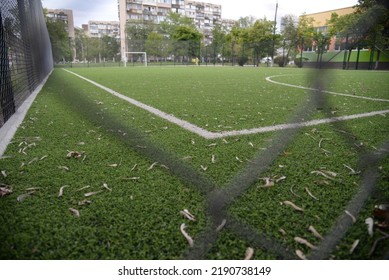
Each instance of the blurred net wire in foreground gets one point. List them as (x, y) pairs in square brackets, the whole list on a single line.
[(25, 53)]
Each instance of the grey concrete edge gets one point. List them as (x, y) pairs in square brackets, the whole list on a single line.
[(8, 130)]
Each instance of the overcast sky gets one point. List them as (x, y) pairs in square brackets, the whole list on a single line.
[(85, 10)]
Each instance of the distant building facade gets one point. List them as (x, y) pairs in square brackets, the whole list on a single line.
[(64, 15), (99, 29), (320, 23), (204, 15)]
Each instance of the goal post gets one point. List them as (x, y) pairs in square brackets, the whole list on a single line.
[(127, 53)]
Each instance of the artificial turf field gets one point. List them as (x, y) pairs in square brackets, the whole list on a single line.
[(95, 177)]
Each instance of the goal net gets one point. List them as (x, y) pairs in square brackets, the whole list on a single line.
[(135, 57)]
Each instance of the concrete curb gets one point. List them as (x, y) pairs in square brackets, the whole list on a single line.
[(8, 130)]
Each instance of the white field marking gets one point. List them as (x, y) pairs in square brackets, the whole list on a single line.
[(215, 135), (296, 125), (269, 79), (184, 124)]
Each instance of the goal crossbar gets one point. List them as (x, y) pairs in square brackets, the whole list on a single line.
[(125, 60)]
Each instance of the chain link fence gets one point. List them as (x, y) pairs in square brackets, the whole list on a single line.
[(25, 57), (342, 52)]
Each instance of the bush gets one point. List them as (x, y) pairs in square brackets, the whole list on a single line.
[(242, 60), (297, 61), (280, 61)]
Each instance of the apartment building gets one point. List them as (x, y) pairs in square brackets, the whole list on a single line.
[(204, 15), (99, 29), (64, 15)]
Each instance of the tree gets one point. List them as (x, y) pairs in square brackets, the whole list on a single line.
[(109, 47), (191, 37), (137, 34), (252, 36), (260, 37), (173, 21), (156, 45), (368, 25), (60, 41), (290, 37), (219, 38), (81, 41), (305, 31)]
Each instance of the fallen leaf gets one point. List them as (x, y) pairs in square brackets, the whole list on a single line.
[(188, 215), (4, 173), (310, 194), (113, 165), (249, 254), (131, 178), (5, 190), (186, 235), (221, 226), (213, 159), (352, 171), (294, 206), (152, 166), (22, 197), (204, 168), (75, 212), (133, 168), (301, 255), (370, 224), (238, 159), (304, 242), (355, 244), (33, 160), (61, 191), (84, 202), (83, 188), (315, 232), (92, 193), (73, 154), (105, 186), (351, 216), (325, 173), (268, 182), (64, 168)]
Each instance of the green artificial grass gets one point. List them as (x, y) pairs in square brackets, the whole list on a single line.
[(145, 170)]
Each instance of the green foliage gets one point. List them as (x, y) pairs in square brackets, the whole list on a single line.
[(173, 22), (138, 32), (60, 42), (249, 36), (109, 47), (156, 45), (368, 25)]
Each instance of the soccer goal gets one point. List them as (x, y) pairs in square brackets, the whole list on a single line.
[(144, 57)]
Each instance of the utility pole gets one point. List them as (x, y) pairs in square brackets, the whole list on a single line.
[(274, 33)]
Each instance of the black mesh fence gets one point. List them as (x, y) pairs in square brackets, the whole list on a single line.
[(25, 53)]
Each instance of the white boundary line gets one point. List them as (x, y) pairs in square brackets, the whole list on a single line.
[(298, 125), (269, 79), (215, 135), (184, 124)]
